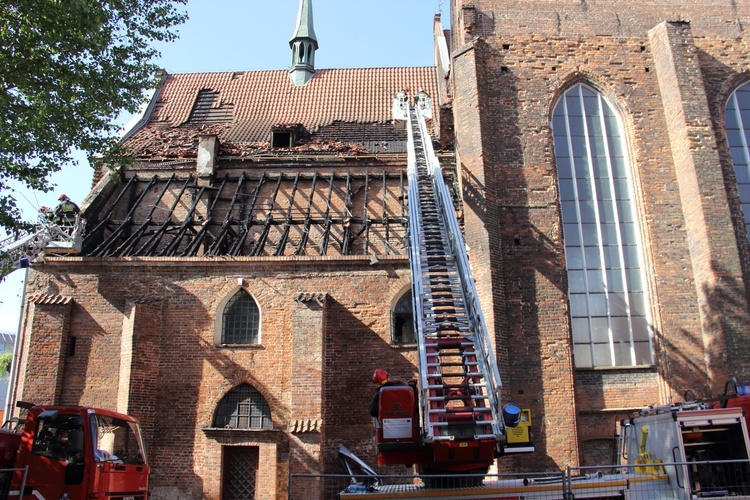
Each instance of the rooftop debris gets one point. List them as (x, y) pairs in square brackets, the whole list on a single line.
[(182, 142)]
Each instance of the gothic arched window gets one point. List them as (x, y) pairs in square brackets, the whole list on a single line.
[(737, 124), (240, 322), (402, 320), (243, 408), (608, 304)]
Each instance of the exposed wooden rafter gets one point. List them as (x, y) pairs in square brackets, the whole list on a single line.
[(261, 214)]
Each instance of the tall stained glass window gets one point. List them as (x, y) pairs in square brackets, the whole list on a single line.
[(737, 124), (609, 316)]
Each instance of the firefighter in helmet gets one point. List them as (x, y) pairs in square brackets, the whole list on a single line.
[(403, 95), (421, 98), (66, 211), (381, 379)]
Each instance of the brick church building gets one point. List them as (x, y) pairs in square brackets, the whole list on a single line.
[(240, 281)]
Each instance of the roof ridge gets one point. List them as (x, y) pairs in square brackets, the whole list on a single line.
[(285, 70)]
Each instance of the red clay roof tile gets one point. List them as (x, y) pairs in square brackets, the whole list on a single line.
[(261, 99)]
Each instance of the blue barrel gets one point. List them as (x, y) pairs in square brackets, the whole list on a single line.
[(511, 415)]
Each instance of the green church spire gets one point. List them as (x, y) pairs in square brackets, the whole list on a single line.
[(303, 44)]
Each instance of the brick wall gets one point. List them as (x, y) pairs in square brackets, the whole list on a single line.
[(526, 54), (593, 18), (45, 345), (325, 328)]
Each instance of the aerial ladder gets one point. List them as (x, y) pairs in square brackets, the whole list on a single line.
[(19, 251), (463, 425), (459, 380)]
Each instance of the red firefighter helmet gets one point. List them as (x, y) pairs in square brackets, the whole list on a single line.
[(62, 197), (380, 377)]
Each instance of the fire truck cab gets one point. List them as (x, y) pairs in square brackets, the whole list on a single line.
[(75, 452)]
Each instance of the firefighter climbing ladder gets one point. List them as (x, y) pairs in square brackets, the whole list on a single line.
[(459, 380)]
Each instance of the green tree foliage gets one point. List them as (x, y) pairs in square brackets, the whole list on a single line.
[(6, 358), (67, 69)]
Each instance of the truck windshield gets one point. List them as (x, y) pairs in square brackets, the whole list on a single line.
[(60, 438), (117, 440)]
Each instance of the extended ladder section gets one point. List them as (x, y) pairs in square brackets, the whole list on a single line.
[(20, 251), (459, 379)]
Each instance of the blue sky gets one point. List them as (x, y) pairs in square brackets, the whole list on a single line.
[(246, 35)]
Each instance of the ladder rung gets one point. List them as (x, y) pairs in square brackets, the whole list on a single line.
[(444, 411), (485, 436)]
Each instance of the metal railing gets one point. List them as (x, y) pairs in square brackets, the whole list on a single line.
[(654, 480), (649, 481), (18, 251), (343, 486)]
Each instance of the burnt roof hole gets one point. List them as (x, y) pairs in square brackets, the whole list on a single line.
[(281, 139), (285, 136)]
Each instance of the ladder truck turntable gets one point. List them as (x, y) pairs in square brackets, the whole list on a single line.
[(452, 423)]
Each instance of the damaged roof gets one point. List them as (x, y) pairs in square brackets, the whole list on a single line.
[(242, 107)]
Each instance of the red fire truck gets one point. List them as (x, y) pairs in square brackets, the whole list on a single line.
[(73, 452)]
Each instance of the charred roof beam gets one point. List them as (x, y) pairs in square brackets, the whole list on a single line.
[(285, 232), (308, 221), (132, 240), (186, 225), (365, 216), (254, 221), (98, 231), (104, 249), (239, 242), (192, 248), (152, 243), (345, 243), (327, 224), (226, 228), (261, 241)]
